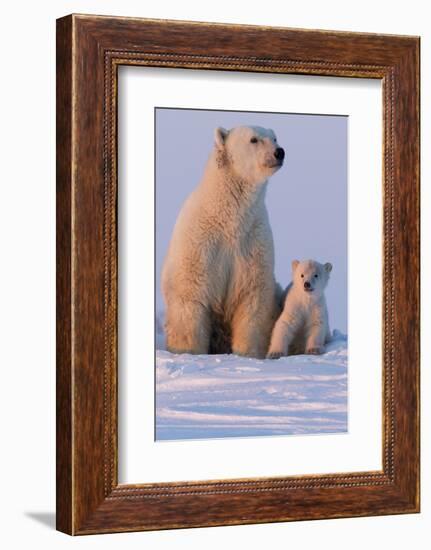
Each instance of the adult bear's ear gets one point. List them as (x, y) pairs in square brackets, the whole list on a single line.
[(327, 267), (220, 135), (294, 265)]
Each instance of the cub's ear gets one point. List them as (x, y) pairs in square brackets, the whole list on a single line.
[(295, 264), (327, 267), (220, 135)]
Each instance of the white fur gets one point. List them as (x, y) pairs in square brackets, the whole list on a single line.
[(303, 325), (220, 261)]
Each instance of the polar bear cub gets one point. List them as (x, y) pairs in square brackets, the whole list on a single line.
[(303, 325)]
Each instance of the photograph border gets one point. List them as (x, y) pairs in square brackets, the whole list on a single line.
[(89, 51)]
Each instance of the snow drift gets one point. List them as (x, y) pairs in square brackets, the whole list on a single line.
[(207, 396)]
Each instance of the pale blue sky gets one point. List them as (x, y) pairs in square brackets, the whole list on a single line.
[(306, 199)]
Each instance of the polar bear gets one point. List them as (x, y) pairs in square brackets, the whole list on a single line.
[(218, 275), (303, 325)]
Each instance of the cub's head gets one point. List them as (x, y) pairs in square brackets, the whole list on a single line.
[(310, 277), (252, 152)]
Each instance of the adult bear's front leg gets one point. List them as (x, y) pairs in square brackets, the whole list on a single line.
[(252, 325), (188, 327)]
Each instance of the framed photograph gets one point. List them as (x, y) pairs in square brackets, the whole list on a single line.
[(237, 274)]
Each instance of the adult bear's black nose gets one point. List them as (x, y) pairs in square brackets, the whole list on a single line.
[(307, 284), (279, 153)]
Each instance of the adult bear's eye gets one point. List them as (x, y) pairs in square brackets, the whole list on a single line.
[(316, 275), (302, 275), (253, 140)]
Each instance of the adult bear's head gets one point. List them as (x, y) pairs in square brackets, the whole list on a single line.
[(251, 152)]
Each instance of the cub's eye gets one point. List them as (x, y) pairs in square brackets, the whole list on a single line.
[(316, 275), (302, 275), (253, 139)]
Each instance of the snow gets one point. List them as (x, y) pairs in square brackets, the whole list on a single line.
[(213, 396)]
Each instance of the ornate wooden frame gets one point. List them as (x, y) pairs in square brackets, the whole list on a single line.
[(89, 51)]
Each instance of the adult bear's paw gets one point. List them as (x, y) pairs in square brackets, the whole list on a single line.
[(274, 355)]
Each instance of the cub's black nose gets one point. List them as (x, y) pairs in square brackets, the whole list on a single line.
[(307, 284), (279, 153)]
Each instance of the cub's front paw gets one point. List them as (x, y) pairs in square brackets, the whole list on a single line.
[(315, 351), (274, 355)]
